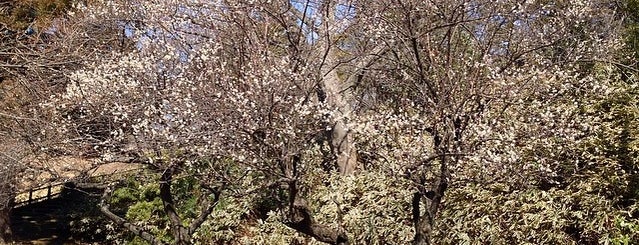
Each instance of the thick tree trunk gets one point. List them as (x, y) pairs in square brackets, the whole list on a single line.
[(6, 204), (336, 85), (339, 95), (425, 233), (5, 225), (302, 221), (344, 148), (300, 217), (341, 140), (423, 224)]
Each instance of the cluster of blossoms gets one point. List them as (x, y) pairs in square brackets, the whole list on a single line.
[(498, 91)]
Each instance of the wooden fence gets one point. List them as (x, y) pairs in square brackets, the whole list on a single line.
[(54, 190), (39, 194)]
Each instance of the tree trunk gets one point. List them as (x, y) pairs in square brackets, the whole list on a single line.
[(338, 93), (423, 237), (6, 204), (5, 225), (180, 233), (341, 140), (302, 221), (425, 224)]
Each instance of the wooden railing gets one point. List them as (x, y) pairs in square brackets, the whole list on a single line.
[(53, 190), (38, 194)]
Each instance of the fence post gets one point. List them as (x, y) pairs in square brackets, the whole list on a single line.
[(49, 192), (30, 195)]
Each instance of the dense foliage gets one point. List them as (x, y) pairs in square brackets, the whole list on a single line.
[(361, 122)]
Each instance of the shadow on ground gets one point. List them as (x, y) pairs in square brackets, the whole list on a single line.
[(50, 221)]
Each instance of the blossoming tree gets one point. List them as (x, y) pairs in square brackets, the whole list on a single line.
[(266, 98)]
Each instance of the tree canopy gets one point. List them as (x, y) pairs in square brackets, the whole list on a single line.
[(340, 122)]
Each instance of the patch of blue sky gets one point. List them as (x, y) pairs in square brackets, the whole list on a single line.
[(183, 55), (309, 10), (129, 30), (345, 11)]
